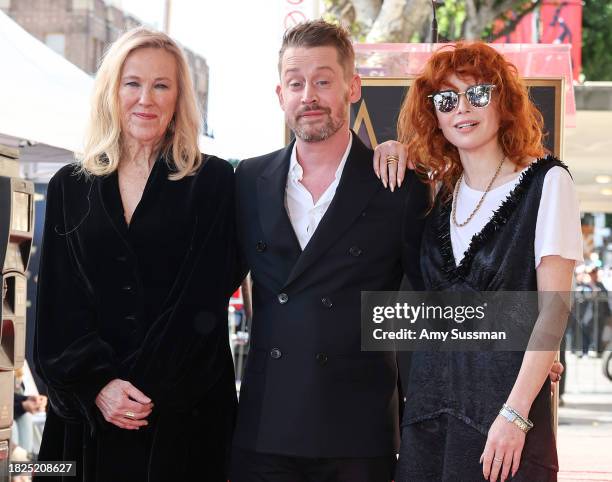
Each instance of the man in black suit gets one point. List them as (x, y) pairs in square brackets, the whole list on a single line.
[(316, 228)]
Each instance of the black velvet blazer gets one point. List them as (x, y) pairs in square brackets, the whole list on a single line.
[(145, 303)]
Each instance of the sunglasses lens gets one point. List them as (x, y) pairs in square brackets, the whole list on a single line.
[(445, 101), (479, 95)]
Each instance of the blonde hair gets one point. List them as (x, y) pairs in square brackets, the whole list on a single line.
[(103, 145)]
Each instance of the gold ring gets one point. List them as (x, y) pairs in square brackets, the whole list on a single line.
[(129, 414), (392, 158), (498, 460)]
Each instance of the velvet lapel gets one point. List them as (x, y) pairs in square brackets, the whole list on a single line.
[(357, 185), (110, 199), (275, 223)]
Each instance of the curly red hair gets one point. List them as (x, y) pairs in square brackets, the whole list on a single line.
[(521, 124)]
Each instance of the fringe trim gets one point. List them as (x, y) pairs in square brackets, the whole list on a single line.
[(498, 220)]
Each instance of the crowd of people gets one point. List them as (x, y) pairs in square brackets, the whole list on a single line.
[(145, 239), (591, 332)]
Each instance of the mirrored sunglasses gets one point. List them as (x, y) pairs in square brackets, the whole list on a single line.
[(477, 95)]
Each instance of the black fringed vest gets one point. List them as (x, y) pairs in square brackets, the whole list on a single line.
[(472, 386)]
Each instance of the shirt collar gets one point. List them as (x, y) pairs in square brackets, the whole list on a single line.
[(296, 172)]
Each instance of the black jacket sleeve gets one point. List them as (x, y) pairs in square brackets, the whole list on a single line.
[(70, 357), (415, 210)]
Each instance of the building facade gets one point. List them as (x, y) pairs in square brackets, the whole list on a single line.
[(81, 30)]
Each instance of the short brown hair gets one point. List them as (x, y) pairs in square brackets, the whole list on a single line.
[(319, 33)]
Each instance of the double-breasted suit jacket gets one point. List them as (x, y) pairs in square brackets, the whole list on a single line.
[(308, 389)]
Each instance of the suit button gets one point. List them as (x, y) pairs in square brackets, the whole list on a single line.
[(327, 302), (127, 288), (121, 259), (275, 353), (355, 251), (131, 318), (321, 358), (283, 298), (260, 246)]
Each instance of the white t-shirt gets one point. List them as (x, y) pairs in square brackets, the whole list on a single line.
[(558, 230), (304, 214)]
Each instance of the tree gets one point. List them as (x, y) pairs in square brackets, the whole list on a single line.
[(597, 40), (374, 21), (408, 20)]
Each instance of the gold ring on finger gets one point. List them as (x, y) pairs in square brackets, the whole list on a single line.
[(498, 460), (392, 158), (129, 414)]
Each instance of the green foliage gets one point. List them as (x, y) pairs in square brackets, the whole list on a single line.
[(596, 28), (450, 17), (597, 39)]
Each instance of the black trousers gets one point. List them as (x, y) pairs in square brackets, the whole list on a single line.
[(248, 466)]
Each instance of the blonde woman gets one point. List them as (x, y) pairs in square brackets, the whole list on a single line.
[(135, 277)]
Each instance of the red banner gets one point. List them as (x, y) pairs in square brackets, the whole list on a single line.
[(555, 22), (561, 22), (524, 32)]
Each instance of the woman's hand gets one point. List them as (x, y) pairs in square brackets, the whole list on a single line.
[(555, 371), (123, 405), (391, 173), (502, 451)]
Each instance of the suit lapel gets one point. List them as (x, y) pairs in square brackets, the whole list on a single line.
[(271, 186), (357, 185)]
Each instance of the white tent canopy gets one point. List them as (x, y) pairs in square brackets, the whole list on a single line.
[(43, 97)]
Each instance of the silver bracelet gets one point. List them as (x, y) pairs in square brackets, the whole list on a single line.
[(516, 418)]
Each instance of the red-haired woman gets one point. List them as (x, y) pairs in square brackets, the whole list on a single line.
[(505, 218)]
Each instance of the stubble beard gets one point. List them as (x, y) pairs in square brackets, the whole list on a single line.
[(317, 134)]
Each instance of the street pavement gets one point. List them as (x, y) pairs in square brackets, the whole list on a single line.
[(584, 438)]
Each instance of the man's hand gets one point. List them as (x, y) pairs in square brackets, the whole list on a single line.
[(123, 405)]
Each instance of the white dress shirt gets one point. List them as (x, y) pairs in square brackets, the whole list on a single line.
[(304, 214), (558, 230)]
